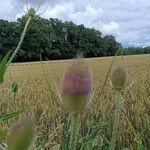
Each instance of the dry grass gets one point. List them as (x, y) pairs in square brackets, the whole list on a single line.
[(38, 95)]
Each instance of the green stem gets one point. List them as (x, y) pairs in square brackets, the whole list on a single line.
[(74, 130), (20, 41), (117, 120)]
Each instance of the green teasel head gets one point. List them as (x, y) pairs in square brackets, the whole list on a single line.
[(119, 78), (31, 12), (76, 86), (21, 135)]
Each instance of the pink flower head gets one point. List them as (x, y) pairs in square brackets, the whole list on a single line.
[(76, 86), (77, 79)]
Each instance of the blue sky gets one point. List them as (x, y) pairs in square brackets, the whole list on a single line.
[(127, 20)]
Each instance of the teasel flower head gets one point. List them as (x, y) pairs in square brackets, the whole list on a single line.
[(21, 135), (119, 78), (76, 86)]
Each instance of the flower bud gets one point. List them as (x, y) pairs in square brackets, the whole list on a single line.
[(21, 135), (119, 78), (76, 86)]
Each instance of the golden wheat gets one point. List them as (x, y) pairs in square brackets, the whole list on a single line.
[(40, 81)]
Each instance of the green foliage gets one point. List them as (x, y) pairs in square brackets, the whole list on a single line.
[(9, 116), (136, 50), (54, 39)]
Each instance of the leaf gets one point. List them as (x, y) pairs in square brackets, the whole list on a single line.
[(85, 139), (14, 87), (9, 116), (3, 67)]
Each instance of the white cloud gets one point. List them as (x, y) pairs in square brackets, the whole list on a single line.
[(127, 20), (59, 11), (111, 28), (85, 14), (7, 9), (89, 16)]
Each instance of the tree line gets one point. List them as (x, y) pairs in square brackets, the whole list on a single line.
[(52, 39)]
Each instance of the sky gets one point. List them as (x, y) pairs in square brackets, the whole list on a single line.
[(127, 20)]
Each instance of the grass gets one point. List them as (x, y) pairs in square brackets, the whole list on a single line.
[(38, 95)]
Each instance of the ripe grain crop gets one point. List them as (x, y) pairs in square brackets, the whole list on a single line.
[(38, 85)]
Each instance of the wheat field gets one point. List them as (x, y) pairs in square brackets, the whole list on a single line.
[(38, 95)]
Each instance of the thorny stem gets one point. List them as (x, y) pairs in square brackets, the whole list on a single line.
[(74, 130), (20, 41), (117, 120)]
